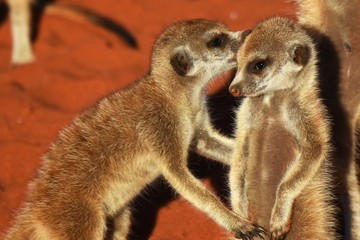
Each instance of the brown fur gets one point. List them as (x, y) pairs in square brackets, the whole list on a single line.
[(337, 24), (113, 150), (288, 193)]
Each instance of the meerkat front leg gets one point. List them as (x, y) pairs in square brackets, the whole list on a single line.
[(313, 148), (180, 178), (240, 159), (213, 145), (20, 26), (237, 175), (122, 224)]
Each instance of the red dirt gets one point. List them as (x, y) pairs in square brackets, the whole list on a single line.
[(78, 63)]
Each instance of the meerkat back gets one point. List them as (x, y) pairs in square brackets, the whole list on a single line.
[(279, 167)]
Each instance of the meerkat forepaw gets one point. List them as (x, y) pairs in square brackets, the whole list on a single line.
[(279, 232), (249, 232), (278, 236)]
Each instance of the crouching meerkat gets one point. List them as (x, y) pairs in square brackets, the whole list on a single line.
[(290, 194), (113, 150)]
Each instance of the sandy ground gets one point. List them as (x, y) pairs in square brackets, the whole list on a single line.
[(77, 64)]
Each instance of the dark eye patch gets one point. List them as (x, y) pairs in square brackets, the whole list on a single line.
[(217, 41), (258, 66)]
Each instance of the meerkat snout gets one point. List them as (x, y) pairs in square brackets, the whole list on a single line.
[(235, 90)]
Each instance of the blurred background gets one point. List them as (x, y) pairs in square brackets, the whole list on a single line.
[(76, 64)]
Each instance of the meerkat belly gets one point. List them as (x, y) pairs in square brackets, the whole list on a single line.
[(127, 182), (275, 150)]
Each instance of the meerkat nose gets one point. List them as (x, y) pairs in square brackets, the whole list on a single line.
[(235, 91)]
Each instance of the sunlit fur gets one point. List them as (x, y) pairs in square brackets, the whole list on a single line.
[(280, 173), (338, 22), (353, 179)]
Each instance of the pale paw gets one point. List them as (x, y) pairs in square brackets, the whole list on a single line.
[(279, 232), (22, 57)]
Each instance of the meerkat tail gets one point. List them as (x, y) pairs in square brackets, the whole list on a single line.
[(80, 14)]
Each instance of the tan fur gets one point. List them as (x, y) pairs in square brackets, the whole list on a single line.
[(113, 150), (338, 20), (357, 136), (338, 23), (288, 193), (353, 178)]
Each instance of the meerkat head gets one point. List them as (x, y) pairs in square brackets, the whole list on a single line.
[(198, 49), (274, 56)]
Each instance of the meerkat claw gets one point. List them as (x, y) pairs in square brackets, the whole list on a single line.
[(278, 236), (258, 232)]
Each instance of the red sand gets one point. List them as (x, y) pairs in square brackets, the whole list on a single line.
[(78, 63)]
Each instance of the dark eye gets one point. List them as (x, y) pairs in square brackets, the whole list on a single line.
[(216, 41), (258, 66)]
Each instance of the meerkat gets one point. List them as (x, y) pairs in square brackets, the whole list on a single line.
[(336, 32), (113, 150), (280, 175), (21, 16)]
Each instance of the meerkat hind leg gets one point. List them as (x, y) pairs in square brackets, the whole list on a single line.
[(20, 27), (122, 224)]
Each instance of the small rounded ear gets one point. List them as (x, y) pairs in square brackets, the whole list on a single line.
[(239, 38), (181, 61), (245, 33), (300, 54)]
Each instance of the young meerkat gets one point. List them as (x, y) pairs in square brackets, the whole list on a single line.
[(288, 192), (113, 150)]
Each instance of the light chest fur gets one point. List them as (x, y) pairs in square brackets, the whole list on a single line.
[(269, 131)]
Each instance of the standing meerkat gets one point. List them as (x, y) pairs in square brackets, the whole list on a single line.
[(334, 26), (288, 193), (113, 150)]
